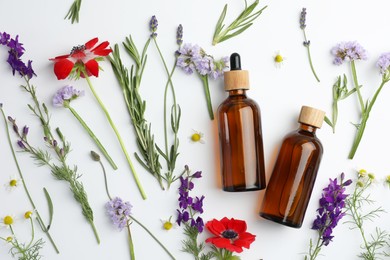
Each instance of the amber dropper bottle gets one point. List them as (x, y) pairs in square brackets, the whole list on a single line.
[(295, 171), (240, 135)]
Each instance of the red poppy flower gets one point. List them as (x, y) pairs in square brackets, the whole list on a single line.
[(82, 59), (229, 234)]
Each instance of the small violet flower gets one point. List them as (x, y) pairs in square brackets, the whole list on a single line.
[(348, 51), (66, 94), (383, 64), (179, 35), (153, 26), (119, 212)]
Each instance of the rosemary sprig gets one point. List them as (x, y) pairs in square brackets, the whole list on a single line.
[(61, 171), (74, 10), (191, 246), (239, 25)]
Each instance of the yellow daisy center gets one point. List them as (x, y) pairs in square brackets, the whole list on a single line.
[(9, 239), (362, 173), (371, 176), (278, 58), (28, 214), (167, 225), (8, 220), (13, 183), (360, 184), (388, 178), (196, 137)]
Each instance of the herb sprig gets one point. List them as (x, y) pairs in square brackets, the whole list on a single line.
[(74, 11)]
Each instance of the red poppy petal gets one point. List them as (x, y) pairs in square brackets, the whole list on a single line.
[(58, 58), (215, 227), (101, 46), (92, 67), (237, 225), (63, 68), (104, 52), (225, 243), (91, 43), (225, 221), (245, 239)]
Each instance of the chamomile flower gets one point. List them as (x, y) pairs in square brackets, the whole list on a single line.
[(168, 224), (13, 183), (362, 173), (28, 214), (7, 220), (197, 137), (387, 181), (279, 59)]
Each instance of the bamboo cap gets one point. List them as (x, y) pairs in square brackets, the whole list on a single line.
[(311, 116), (236, 78)]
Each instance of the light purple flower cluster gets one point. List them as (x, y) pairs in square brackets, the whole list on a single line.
[(348, 51), (331, 208), (302, 19), (383, 63), (153, 24), (66, 94), (189, 206), (15, 52), (119, 212), (193, 58), (179, 35)]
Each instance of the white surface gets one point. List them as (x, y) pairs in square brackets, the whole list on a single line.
[(279, 92)]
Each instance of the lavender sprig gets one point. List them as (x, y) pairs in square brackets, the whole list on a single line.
[(74, 11), (306, 42), (330, 212), (355, 205), (239, 25)]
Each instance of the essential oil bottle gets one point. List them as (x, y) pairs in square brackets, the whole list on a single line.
[(240, 135), (295, 171)]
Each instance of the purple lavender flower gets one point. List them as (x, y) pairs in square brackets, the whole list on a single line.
[(66, 94), (348, 51), (179, 35), (302, 19), (383, 63), (219, 67), (119, 212), (153, 26), (4, 38), (331, 208), (21, 145)]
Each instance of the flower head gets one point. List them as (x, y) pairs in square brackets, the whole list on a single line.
[(13, 183), (302, 19), (153, 26), (8, 220), (197, 137), (229, 234), (279, 59), (387, 180), (348, 51), (331, 208), (83, 59), (383, 63), (28, 214), (119, 212), (66, 94), (168, 224), (179, 35)]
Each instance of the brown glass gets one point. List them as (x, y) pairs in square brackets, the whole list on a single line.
[(292, 180), (241, 143)]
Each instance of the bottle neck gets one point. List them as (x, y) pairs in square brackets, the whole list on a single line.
[(237, 92), (308, 128)]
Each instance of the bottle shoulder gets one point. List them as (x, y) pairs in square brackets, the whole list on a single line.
[(238, 102), (301, 137)]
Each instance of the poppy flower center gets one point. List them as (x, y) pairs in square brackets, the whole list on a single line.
[(76, 49), (229, 234)]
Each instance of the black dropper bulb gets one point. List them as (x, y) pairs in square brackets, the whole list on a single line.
[(235, 62)]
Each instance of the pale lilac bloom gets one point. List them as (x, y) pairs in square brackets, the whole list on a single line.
[(119, 212), (202, 64), (383, 63), (348, 51), (66, 93), (219, 67)]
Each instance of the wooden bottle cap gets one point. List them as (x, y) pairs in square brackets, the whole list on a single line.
[(236, 79), (311, 116)]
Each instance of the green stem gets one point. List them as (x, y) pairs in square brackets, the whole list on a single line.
[(95, 231), (309, 56), (334, 115), (207, 93), (131, 245), (41, 223), (141, 190), (93, 136), (151, 234), (355, 81), (317, 249)]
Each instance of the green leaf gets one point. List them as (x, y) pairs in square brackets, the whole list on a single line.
[(51, 208)]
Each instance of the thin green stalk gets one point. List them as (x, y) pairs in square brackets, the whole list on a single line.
[(93, 136), (41, 223), (141, 190), (207, 93), (311, 64), (151, 234), (131, 245), (355, 81)]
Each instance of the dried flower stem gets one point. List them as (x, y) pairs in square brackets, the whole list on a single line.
[(135, 175), (39, 218)]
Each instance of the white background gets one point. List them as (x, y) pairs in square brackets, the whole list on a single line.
[(280, 92)]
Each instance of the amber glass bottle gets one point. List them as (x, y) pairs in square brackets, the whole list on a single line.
[(292, 180), (240, 135)]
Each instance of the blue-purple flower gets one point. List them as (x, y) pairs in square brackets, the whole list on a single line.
[(331, 210), (119, 212), (383, 63), (348, 51), (190, 206), (153, 24), (179, 35), (66, 94)]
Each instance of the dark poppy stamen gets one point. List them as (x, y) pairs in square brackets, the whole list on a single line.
[(229, 234), (77, 49)]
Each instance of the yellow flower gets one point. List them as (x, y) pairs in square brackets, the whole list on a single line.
[(28, 214), (197, 137), (362, 173), (387, 180), (360, 184), (279, 59), (9, 239), (13, 183), (168, 224), (371, 176), (8, 220)]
